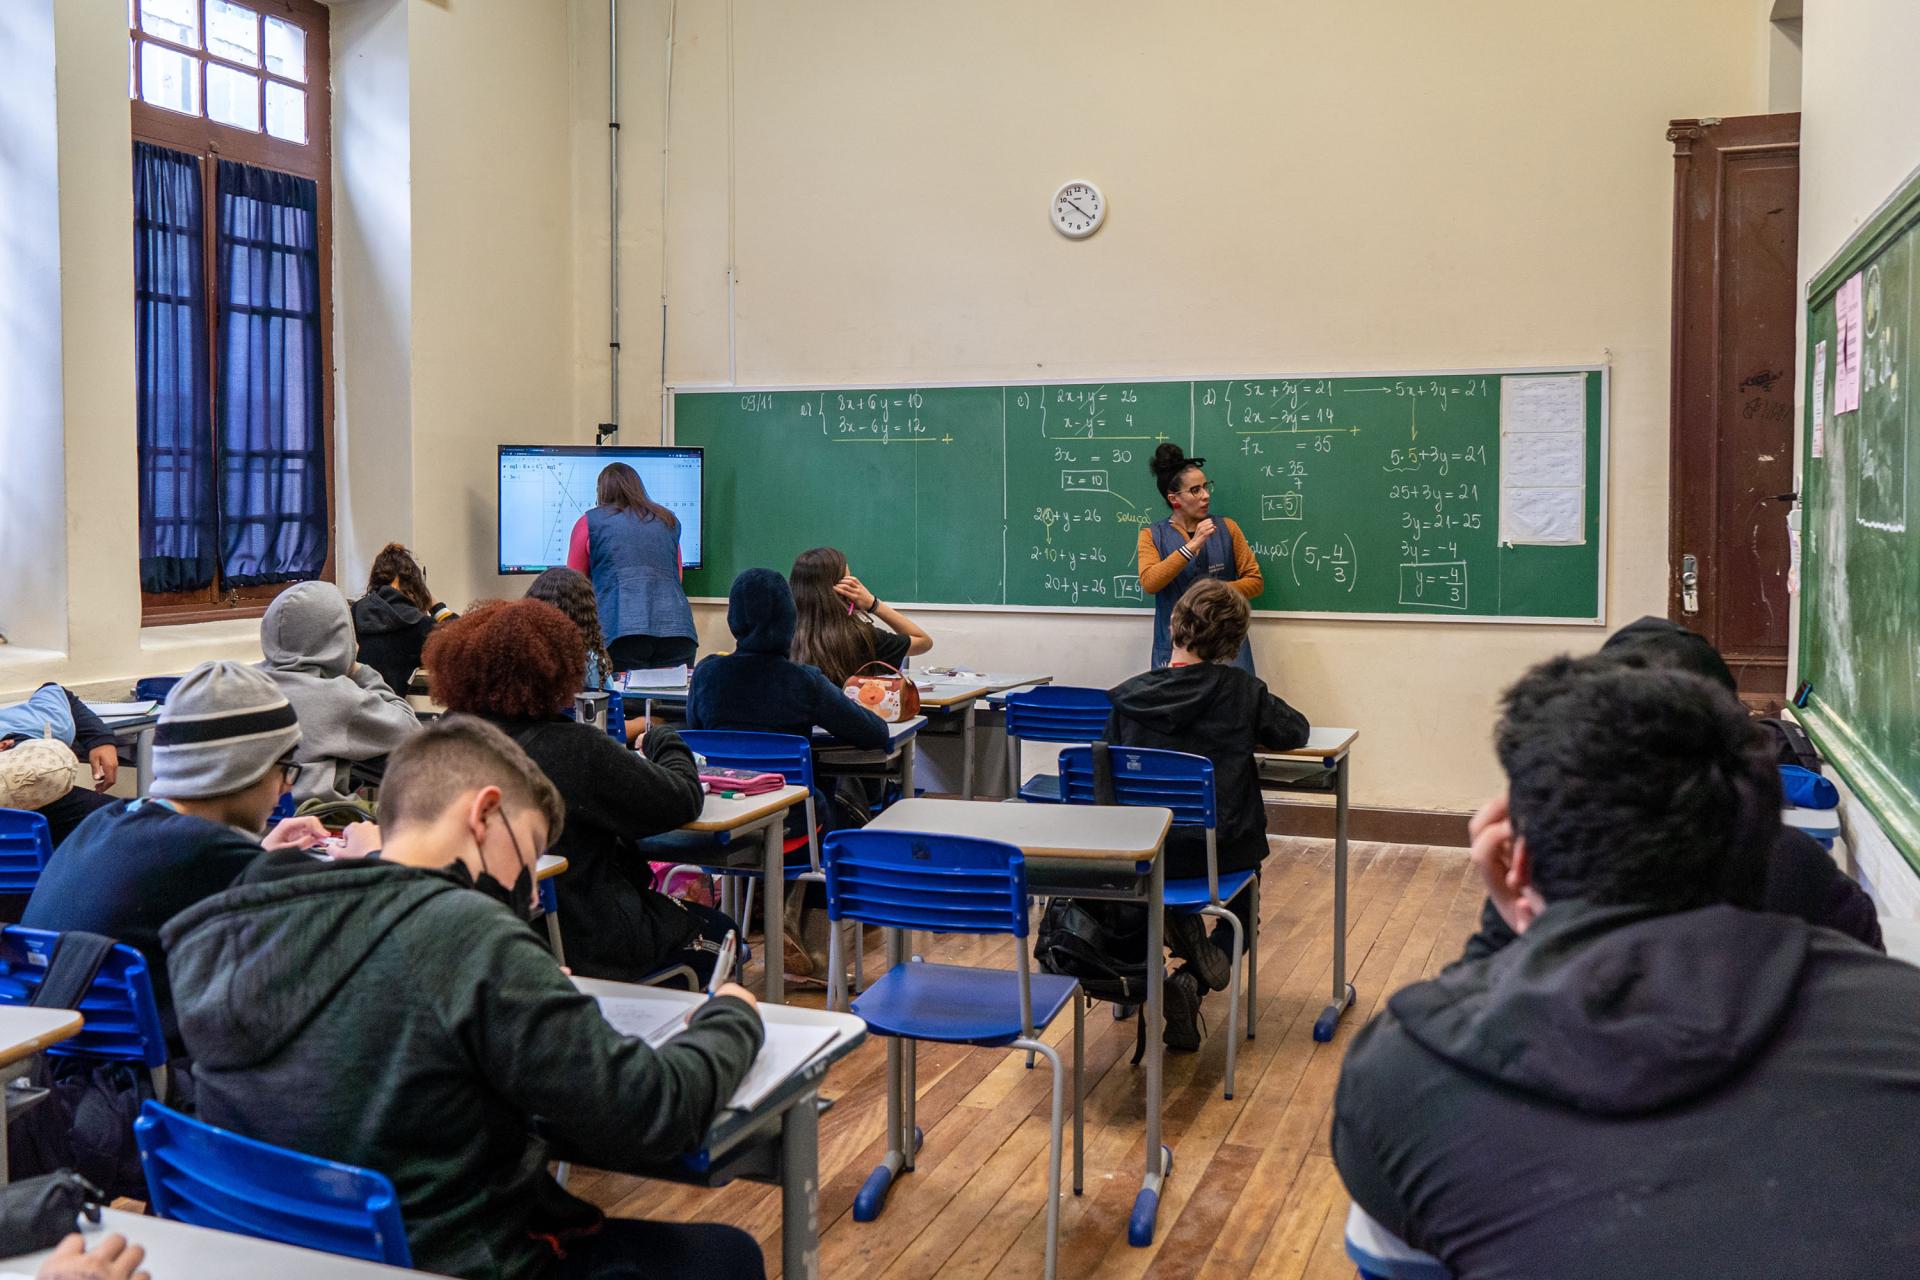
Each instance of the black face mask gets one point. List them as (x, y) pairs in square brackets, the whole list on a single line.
[(519, 898)]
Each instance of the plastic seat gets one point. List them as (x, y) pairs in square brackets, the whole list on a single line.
[(121, 1016), (1381, 1255), (1183, 782), (1050, 713), (26, 842), (208, 1177), (904, 880)]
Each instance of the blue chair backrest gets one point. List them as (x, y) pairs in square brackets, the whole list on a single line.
[(26, 842), (935, 883), (154, 688), (787, 754), (1058, 713), (1172, 780), (208, 1177), (122, 1017)]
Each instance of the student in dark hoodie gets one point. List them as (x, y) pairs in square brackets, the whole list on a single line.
[(519, 664), (1204, 704), (1802, 879), (392, 621), (1655, 1080), (398, 1014)]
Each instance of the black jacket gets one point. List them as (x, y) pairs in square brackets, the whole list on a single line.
[(759, 689), (1224, 714), (391, 631), (1621, 1093), (1802, 880), (387, 1017), (614, 924)]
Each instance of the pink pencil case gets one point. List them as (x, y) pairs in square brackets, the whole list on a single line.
[(746, 782)]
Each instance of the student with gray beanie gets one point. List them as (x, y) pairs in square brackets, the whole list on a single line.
[(222, 758)]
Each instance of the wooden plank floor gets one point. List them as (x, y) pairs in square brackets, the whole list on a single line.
[(1253, 1191)]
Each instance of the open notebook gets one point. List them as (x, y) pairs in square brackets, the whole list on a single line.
[(788, 1046)]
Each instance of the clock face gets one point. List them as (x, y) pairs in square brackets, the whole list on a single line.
[(1078, 210)]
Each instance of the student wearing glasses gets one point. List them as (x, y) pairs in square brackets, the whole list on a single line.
[(1190, 545), (222, 758)]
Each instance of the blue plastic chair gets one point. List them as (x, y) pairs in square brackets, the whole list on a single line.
[(208, 1177), (1381, 1255), (949, 884), (154, 688), (1183, 783), (26, 842), (1050, 713), (122, 1019)]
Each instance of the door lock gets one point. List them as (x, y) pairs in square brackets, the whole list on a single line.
[(1689, 585)]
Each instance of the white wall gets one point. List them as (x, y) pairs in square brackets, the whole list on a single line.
[(1294, 186)]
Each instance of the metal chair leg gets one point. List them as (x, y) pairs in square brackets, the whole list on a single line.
[(1054, 1133), (1253, 953), (1233, 988), (1079, 1092)]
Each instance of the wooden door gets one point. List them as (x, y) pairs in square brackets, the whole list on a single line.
[(1736, 219)]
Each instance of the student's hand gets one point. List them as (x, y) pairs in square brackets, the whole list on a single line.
[(1491, 833), (738, 992), (112, 1259), (362, 839), (295, 833), (855, 593), (106, 766), (1201, 532)]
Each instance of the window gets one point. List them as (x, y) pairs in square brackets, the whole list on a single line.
[(233, 313)]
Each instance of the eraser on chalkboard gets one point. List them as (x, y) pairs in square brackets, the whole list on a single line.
[(1804, 692)]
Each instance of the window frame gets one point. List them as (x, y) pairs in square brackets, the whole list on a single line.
[(211, 141)]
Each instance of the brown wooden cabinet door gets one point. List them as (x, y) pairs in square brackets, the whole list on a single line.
[(1736, 220)]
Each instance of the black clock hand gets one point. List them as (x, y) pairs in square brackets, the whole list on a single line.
[(1083, 212)]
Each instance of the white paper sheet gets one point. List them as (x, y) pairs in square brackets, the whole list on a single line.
[(787, 1047), (655, 678), (1793, 550), (1819, 399), (1541, 517), (650, 1020), (121, 710), (1544, 402), (1543, 460), (1852, 342)]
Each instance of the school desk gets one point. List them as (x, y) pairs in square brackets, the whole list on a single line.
[(951, 691), (1078, 851), (778, 1141), (1320, 767), (894, 761), (25, 1031), (549, 866), (133, 737), (176, 1251)]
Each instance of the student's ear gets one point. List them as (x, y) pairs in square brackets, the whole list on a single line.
[(480, 810)]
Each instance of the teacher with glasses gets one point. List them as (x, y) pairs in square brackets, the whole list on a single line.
[(1190, 545)]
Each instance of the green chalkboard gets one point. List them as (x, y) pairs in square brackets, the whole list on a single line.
[(1860, 493), (1376, 495)]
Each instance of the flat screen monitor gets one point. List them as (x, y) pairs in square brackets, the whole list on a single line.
[(544, 489)]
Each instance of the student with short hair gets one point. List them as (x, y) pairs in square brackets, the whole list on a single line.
[(53, 712), (1206, 704), (1656, 1079), (222, 757), (518, 664), (392, 621), (348, 714), (834, 620), (398, 1014)]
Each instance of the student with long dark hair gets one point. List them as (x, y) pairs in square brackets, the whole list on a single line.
[(1188, 545), (834, 615), (392, 621), (629, 546), (571, 593)]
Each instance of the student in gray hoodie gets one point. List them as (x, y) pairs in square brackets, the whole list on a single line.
[(347, 713)]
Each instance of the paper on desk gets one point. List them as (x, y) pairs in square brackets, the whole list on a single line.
[(119, 711), (14, 1275), (655, 678), (1851, 339), (788, 1046)]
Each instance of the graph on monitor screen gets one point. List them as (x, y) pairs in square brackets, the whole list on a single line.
[(545, 490)]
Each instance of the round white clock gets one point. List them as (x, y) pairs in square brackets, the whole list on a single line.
[(1078, 210)]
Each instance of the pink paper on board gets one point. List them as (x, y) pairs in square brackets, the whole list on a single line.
[(1850, 338)]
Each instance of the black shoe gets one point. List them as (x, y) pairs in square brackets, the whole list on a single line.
[(1187, 938), (1183, 1034)]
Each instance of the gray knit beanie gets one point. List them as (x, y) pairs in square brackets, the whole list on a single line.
[(223, 727)]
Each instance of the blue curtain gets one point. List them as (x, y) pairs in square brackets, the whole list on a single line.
[(273, 456), (178, 537)]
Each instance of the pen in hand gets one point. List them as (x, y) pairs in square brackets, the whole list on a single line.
[(722, 970)]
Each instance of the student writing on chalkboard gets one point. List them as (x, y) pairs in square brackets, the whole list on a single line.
[(830, 632), (1190, 544), (629, 546)]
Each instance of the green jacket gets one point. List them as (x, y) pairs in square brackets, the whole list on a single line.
[(390, 1018)]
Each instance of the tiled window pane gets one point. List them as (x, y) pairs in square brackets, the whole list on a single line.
[(233, 97), (167, 78), (175, 20), (286, 110), (286, 52), (233, 32)]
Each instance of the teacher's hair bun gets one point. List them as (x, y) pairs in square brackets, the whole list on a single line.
[(1168, 460)]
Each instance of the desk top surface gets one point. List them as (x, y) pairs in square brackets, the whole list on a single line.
[(25, 1030), (722, 814), (549, 866), (1089, 832), (175, 1249), (896, 734), (1324, 742)]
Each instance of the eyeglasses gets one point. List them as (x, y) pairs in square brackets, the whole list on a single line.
[(288, 772), (1194, 491)]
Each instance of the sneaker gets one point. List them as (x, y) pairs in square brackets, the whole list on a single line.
[(1183, 1033), (1187, 938)]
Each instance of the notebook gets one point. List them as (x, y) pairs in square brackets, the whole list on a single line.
[(788, 1047), (654, 678), (122, 710)]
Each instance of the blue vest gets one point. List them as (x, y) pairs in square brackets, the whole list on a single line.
[(635, 567), (1214, 561)]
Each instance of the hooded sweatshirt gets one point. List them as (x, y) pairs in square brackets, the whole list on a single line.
[(387, 1017), (346, 711), (759, 688), (1624, 1093), (390, 632), (1224, 714)]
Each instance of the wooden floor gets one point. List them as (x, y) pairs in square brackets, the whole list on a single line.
[(1253, 1190)]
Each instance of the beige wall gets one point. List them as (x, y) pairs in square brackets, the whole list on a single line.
[(1293, 186)]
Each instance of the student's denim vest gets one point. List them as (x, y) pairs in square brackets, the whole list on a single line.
[(1214, 561), (635, 568)]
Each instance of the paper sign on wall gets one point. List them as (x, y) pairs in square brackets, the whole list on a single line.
[(1543, 460), (1852, 338), (1819, 399)]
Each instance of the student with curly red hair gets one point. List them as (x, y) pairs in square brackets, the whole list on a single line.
[(518, 664)]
